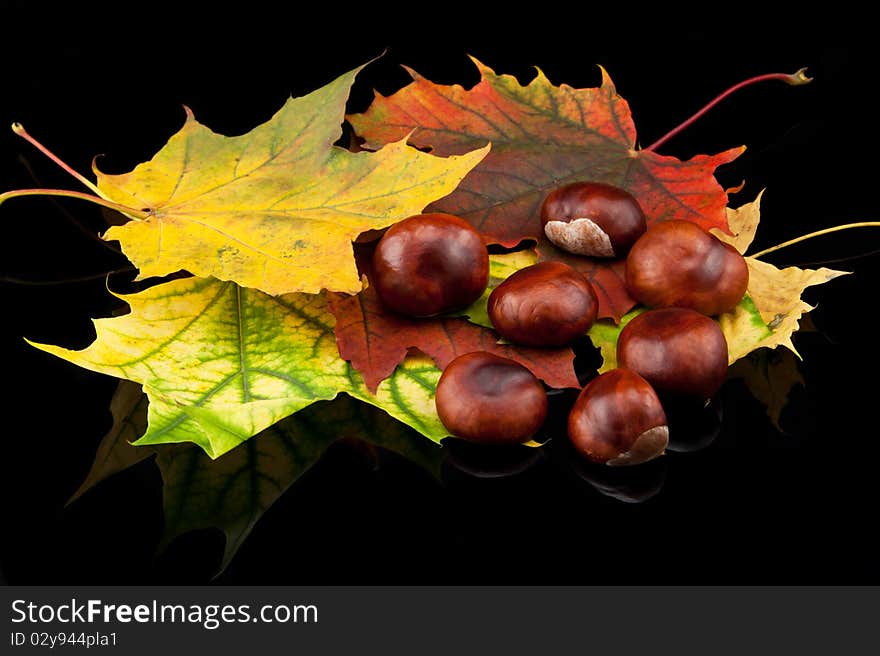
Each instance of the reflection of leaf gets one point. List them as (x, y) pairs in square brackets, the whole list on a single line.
[(234, 491), (544, 136), (277, 208), (115, 453), (769, 375), (221, 363)]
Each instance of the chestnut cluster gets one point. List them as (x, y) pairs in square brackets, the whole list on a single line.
[(432, 264)]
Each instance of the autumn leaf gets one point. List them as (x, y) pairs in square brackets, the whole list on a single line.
[(776, 292), (275, 209), (221, 363), (375, 340), (233, 492), (544, 136), (604, 335), (744, 329)]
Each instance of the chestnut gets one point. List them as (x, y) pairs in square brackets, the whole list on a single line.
[(680, 352), (678, 264), (486, 398), (545, 304), (592, 218), (617, 420), (428, 264)]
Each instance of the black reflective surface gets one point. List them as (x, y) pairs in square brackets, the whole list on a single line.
[(741, 500)]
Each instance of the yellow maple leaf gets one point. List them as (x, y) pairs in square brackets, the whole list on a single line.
[(775, 292), (275, 209)]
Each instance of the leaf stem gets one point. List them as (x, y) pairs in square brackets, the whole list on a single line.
[(847, 226), (794, 79), (44, 283), (128, 211), (75, 222), (18, 128)]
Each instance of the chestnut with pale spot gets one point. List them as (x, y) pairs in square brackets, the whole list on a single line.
[(618, 420), (592, 219), (486, 398)]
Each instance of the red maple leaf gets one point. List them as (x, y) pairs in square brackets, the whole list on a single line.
[(376, 341), (544, 136)]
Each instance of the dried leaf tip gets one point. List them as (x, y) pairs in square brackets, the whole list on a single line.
[(798, 78)]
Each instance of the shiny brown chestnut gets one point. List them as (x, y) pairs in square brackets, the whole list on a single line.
[(486, 398), (617, 420), (429, 264), (592, 218), (678, 264), (680, 352), (546, 304)]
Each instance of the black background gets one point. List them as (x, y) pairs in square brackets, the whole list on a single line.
[(758, 506)]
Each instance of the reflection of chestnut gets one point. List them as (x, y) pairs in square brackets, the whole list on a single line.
[(692, 427), (627, 484), (546, 304), (678, 264), (591, 218), (680, 352), (429, 264), (483, 397), (617, 419), (491, 461)]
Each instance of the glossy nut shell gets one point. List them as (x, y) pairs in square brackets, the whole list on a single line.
[(617, 420), (546, 304), (680, 352), (429, 264), (486, 398), (678, 264)]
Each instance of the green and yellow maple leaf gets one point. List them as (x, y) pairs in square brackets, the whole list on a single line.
[(221, 363), (275, 209), (604, 334)]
